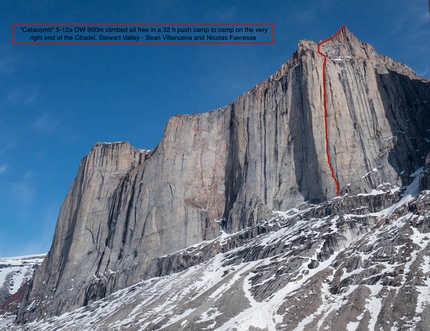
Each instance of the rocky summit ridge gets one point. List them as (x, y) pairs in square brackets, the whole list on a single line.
[(233, 168)]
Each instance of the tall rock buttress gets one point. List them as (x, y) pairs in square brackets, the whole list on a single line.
[(234, 165)]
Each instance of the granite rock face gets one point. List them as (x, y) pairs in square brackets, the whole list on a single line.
[(232, 167)]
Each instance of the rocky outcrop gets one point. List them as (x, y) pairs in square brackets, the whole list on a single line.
[(233, 166), (11, 304), (14, 273), (349, 270)]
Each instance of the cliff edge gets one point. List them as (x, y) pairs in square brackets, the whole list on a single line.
[(232, 167)]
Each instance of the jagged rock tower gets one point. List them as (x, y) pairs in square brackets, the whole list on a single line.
[(263, 152)]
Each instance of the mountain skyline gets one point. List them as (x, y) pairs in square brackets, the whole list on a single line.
[(237, 167), (57, 101), (303, 203)]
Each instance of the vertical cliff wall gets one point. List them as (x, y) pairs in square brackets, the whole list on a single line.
[(232, 166)]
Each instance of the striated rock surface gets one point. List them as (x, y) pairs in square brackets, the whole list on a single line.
[(234, 166), (425, 175)]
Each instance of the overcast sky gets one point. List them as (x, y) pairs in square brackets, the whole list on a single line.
[(56, 101)]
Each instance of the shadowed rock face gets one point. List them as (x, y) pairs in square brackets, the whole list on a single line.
[(234, 165), (425, 175)]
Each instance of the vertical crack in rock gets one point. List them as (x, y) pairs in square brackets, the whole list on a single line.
[(323, 78)]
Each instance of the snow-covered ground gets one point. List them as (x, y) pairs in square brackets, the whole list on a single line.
[(14, 271)]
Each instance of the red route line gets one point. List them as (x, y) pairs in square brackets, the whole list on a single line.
[(325, 108)]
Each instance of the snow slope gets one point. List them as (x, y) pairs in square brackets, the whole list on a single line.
[(15, 271), (334, 266)]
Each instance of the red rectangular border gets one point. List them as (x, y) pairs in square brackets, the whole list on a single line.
[(142, 43)]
